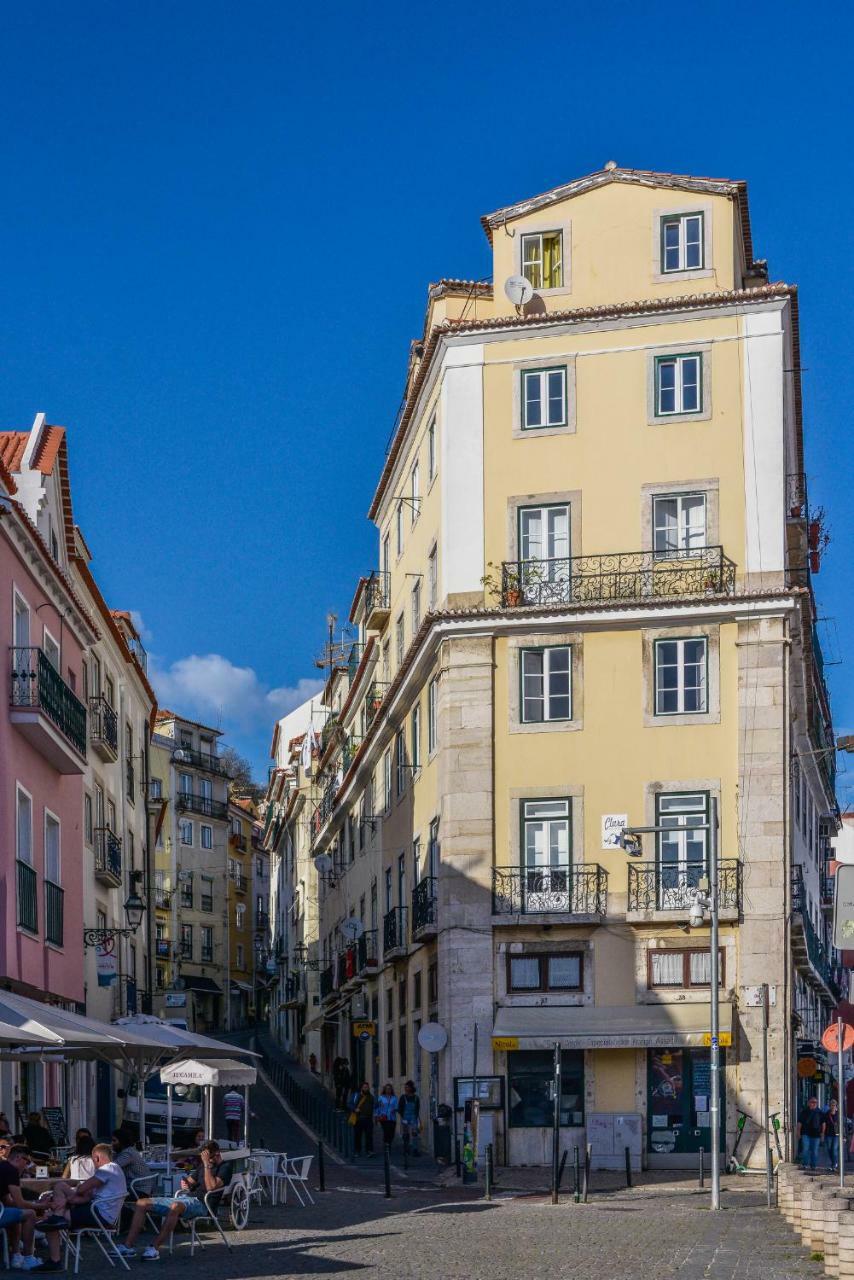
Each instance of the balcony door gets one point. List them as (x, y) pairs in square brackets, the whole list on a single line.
[(544, 551), (546, 855), (22, 623), (682, 849), (99, 806)]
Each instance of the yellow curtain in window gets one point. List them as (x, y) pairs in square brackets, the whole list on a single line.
[(551, 262)]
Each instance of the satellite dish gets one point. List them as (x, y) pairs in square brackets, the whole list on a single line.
[(323, 863), (352, 928), (518, 290), (433, 1037)]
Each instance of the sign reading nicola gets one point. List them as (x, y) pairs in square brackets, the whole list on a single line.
[(843, 907), (612, 825)]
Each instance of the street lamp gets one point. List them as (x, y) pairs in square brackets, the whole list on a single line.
[(705, 899)]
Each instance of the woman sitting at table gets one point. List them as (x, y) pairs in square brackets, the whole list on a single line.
[(36, 1136), (80, 1165), (130, 1161)]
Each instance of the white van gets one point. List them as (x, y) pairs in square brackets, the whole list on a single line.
[(186, 1110)]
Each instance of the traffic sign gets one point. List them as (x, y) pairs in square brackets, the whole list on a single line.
[(724, 1039), (830, 1037), (364, 1030)]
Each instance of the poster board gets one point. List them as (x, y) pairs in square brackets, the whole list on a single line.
[(54, 1119)]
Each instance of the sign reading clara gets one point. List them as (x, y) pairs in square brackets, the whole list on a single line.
[(612, 825)]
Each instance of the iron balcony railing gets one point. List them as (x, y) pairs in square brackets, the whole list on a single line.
[(348, 751), (377, 591), (163, 899), (571, 889), (366, 951), (797, 507), (374, 700), (238, 879), (354, 657), (103, 723), (138, 650), (37, 683), (206, 902), (262, 920), (828, 886), (424, 902), (204, 760), (108, 853), (394, 930), (53, 913), (237, 842), (327, 981), (28, 907), (664, 886), (188, 802), (620, 576), (131, 781), (816, 951)]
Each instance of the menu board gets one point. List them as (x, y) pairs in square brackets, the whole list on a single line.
[(54, 1120)]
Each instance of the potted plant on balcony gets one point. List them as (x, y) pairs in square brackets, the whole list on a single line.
[(507, 581)]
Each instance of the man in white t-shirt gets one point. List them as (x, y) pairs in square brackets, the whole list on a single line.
[(97, 1202)]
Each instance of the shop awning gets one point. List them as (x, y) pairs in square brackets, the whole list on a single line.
[(204, 986), (214, 1071), (636, 1026)]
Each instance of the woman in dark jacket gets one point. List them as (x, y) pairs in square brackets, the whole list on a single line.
[(362, 1107)]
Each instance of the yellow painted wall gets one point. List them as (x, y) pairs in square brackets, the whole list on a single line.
[(614, 1073)]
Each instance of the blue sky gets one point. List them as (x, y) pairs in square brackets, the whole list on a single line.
[(218, 224)]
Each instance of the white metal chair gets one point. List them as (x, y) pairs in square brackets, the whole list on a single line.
[(104, 1237), (269, 1167), (212, 1202), (296, 1172)]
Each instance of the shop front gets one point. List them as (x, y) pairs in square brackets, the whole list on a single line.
[(647, 1066)]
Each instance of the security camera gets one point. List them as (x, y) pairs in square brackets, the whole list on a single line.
[(696, 914)]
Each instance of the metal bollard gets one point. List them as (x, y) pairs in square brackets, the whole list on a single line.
[(628, 1167), (457, 1161), (321, 1169), (562, 1167), (577, 1181), (487, 1186), (587, 1154), (387, 1170), (702, 1167)]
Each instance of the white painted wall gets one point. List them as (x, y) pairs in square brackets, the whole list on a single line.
[(843, 844), (764, 450), (461, 466), (295, 723)]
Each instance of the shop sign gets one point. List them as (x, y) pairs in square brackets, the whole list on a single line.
[(176, 999), (843, 907), (724, 1039), (364, 1030), (107, 962), (501, 1044), (807, 1067), (612, 825)]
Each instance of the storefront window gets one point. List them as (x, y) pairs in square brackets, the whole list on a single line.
[(530, 1077)]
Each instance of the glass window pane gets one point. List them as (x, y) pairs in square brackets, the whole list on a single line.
[(556, 415), (532, 685), (666, 523), (533, 400), (694, 241), (666, 370), (690, 371), (552, 266), (524, 973), (546, 808), (666, 968), (564, 972), (700, 968)]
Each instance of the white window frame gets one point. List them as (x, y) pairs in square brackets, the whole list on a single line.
[(415, 737), (431, 450), (415, 605), (19, 792), (398, 526), (554, 814), (680, 642), (206, 831), (432, 715), (679, 361), (400, 761), (536, 263), (50, 816), (387, 780), (239, 913), (49, 641), (546, 652), (400, 638), (682, 218), (21, 607), (685, 546), (185, 824), (433, 577), (542, 376), (415, 490)]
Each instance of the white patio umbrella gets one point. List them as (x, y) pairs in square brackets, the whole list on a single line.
[(210, 1074)]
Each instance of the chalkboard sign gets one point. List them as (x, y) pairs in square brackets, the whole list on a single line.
[(54, 1120)]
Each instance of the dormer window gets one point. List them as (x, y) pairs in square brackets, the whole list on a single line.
[(682, 242), (542, 259)]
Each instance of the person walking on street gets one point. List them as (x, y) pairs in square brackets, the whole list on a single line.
[(233, 1106), (409, 1110), (362, 1119), (385, 1112), (810, 1131), (831, 1134), (342, 1079)]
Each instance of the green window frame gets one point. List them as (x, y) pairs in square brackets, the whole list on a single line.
[(683, 245), (543, 398), (687, 392), (548, 695)]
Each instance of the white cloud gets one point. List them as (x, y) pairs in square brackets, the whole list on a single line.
[(214, 689)]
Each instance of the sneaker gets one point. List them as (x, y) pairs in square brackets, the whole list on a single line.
[(125, 1251), (29, 1263), (52, 1266), (150, 1254), (54, 1220), (16, 1262)]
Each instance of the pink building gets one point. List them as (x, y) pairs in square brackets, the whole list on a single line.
[(45, 629)]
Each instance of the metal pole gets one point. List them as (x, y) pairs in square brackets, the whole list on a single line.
[(702, 1168), (840, 1089), (321, 1168), (714, 1054), (387, 1170), (556, 1122), (577, 1177), (628, 1166), (769, 1175), (487, 1185)]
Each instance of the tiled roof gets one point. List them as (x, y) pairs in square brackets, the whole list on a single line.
[(643, 306), (463, 288), (13, 444)]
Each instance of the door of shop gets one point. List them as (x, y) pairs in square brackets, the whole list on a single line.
[(679, 1086)]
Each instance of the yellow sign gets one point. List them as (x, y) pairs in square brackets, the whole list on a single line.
[(364, 1028), (724, 1039), (502, 1043)]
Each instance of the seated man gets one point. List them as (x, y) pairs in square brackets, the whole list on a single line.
[(15, 1213), (97, 1202), (211, 1174)]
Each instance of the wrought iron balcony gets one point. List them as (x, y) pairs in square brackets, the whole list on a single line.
[(237, 842), (327, 982), (377, 691), (354, 657), (377, 600), (809, 952), (238, 879), (348, 751), (577, 889), (424, 914), (163, 899), (203, 760), (663, 886), (618, 577), (366, 949), (54, 896), (188, 802), (103, 728), (828, 886), (108, 856), (28, 906), (262, 920), (130, 777), (394, 932), (323, 809), (137, 648), (37, 689)]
